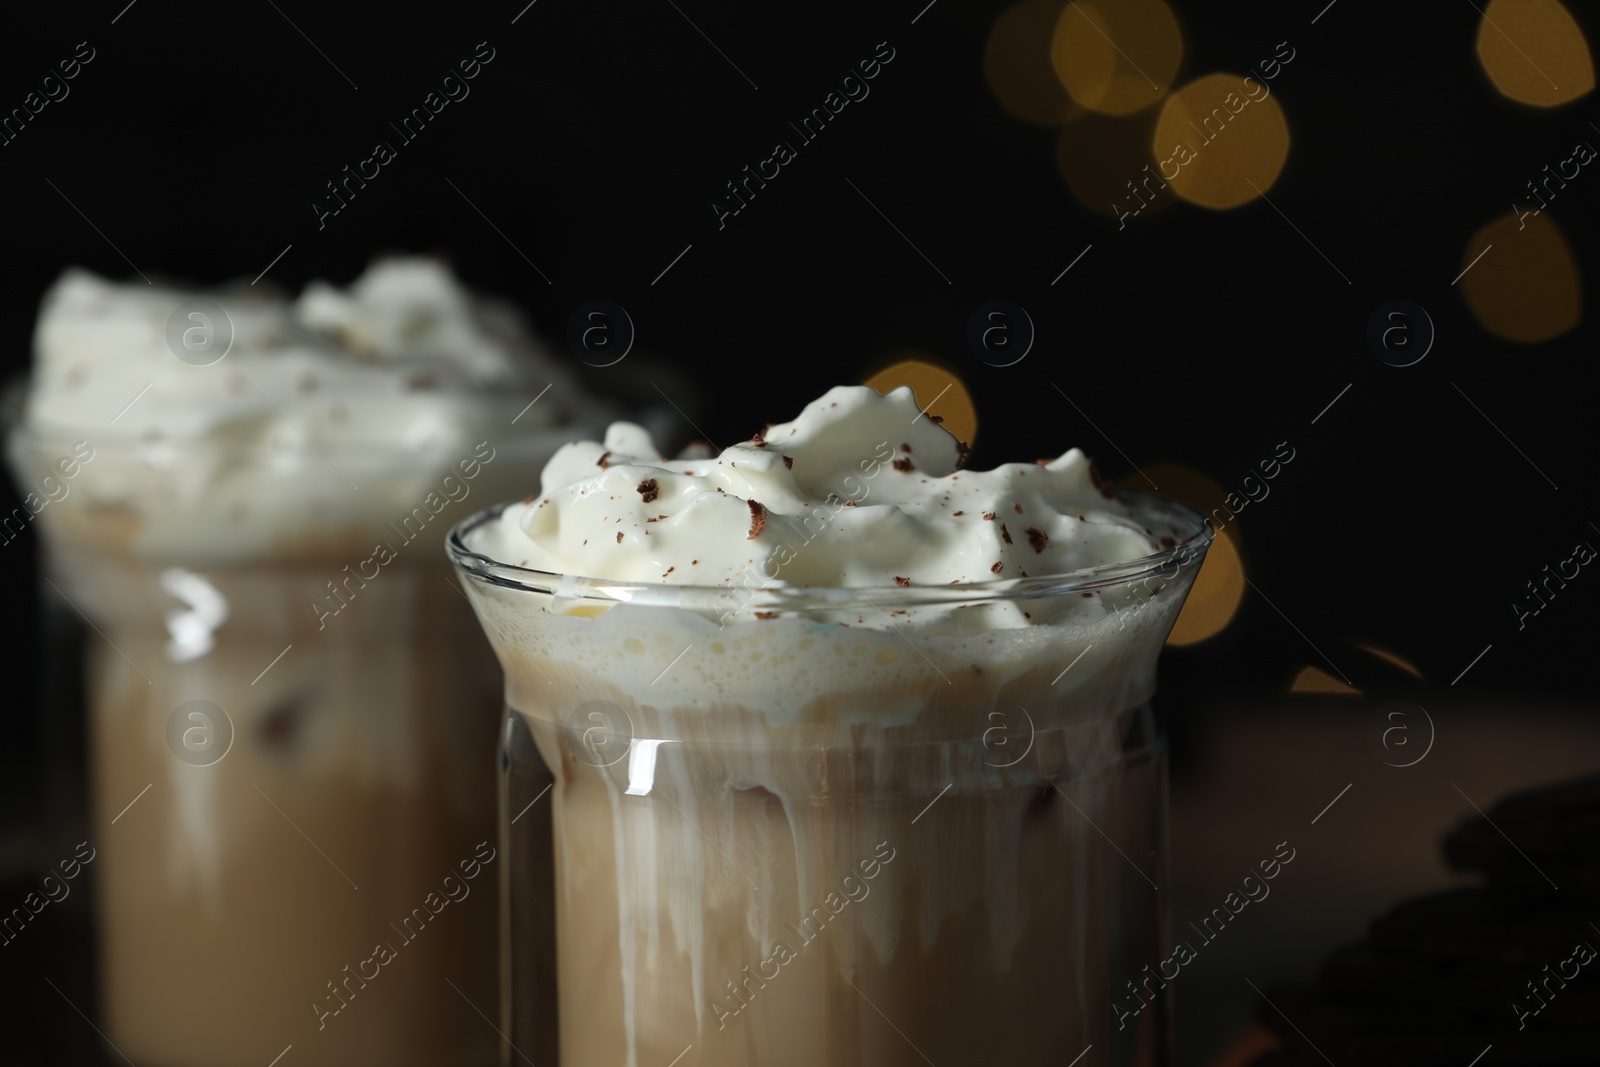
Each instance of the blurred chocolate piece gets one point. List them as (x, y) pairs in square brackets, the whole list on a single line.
[(1441, 978)]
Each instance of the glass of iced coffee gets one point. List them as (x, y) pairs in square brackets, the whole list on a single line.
[(291, 719), (827, 752)]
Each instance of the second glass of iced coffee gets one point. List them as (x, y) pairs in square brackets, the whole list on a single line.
[(291, 716)]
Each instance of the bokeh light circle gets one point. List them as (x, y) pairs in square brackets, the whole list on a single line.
[(1108, 165), (1526, 286), (1534, 52), (1116, 56), (1221, 140), (1016, 63)]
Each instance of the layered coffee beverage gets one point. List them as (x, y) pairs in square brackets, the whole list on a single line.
[(291, 719), (825, 751)]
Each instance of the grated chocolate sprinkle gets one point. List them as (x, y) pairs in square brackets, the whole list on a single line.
[(901, 581), (647, 489), (1006, 534), (788, 461), (902, 464), (758, 519), (603, 457), (619, 537), (1037, 538), (989, 515), (999, 563), (766, 614), (1107, 489)]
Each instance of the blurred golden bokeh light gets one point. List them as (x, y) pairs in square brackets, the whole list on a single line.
[(1108, 165), (1534, 52), (939, 391), (1016, 64), (1526, 287), (1116, 56), (1311, 680), (1390, 657), (1218, 589), (1221, 140)]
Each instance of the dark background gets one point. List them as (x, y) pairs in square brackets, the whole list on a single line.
[(199, 136)]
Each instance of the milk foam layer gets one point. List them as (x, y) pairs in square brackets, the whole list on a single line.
[(326, 417)]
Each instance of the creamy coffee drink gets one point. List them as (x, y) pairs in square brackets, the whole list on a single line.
[(292, 720), (826, 752)]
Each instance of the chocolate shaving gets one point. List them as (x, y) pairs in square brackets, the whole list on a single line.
[(957, 514), (989, 515), (766, 614), (759, 441), (603, 457), (961, 453), (619, 537), (758, 519), (1018, 507), (788, 461), (1107, 490), (1087, 596), (647, 489), (905, 448), (1167, 542), (1037, 539), (997, 565), (1043, 462), (902, 464), (668, 571), (527, 500), (901, 581), (1006, 534)]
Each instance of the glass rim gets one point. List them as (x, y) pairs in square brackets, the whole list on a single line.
[(1164, 565)]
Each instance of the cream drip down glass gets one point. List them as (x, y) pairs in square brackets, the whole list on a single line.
[(291, 720), (878, 781)]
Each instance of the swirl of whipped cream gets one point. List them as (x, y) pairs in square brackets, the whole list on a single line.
[(859, 490), (326, 417)]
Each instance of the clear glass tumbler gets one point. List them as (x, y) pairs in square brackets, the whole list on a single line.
[(805, 828), (292, 797)]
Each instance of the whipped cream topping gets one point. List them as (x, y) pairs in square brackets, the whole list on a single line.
[(328, 415), (860, 490), (405, 351)]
